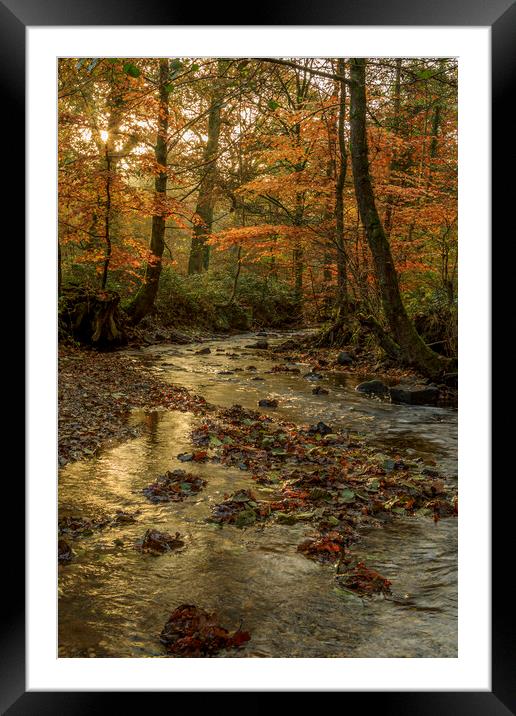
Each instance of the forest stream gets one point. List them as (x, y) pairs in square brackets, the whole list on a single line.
[(114, 600)]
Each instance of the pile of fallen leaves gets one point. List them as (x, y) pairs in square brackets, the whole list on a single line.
[(191, 631), (97, 391), (157, 542), (361, 580), (173, 486), (75, 526), (241, 509), (326, 548), (284, 369)]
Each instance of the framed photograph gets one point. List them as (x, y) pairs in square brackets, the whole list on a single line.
[(327, 553)]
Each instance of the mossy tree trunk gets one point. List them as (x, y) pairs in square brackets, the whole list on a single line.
[(412, 349)]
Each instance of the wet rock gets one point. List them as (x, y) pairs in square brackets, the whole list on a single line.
[(185, 456), (64, 552), (344, 358), (313, 376), (268, 403), (261, 343), (251, 367), (288, 345), (160, 542), (257, 377), (319, 391), (372, 387), (414, 394), (123, 518), (262, 333), (226, 372), (203, 352), (320, 428)]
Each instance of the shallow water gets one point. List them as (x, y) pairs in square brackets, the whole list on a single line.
[(114, 601)]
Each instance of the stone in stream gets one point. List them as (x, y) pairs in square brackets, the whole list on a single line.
[(64, 552), (372, 387), (320, 428), (262, 333), (203, 352), (261, 343), (414, 394), (313, 376), (319, 391), (344, 358), (268, 403)]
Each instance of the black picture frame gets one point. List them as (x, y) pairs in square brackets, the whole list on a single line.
[(500, 15)]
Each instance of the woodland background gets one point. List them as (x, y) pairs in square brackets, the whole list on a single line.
[(227, 193)]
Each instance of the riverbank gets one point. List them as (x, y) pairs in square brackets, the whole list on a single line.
[(96, 394)]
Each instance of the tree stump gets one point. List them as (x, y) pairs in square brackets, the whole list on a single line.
[(91, 317)]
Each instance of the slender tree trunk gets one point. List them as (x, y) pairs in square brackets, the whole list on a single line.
[(143, 302), (342, 287), (297, 258), (107, 218), (412, 348), (389, 212), (200, 251)]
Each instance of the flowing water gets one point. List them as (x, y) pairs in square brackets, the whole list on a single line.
[(114, 601)]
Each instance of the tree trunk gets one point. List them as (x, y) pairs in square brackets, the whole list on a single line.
[(107, 219), (200, 251), (143, 302), (413, 350), (342, 288), (389, 212)]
